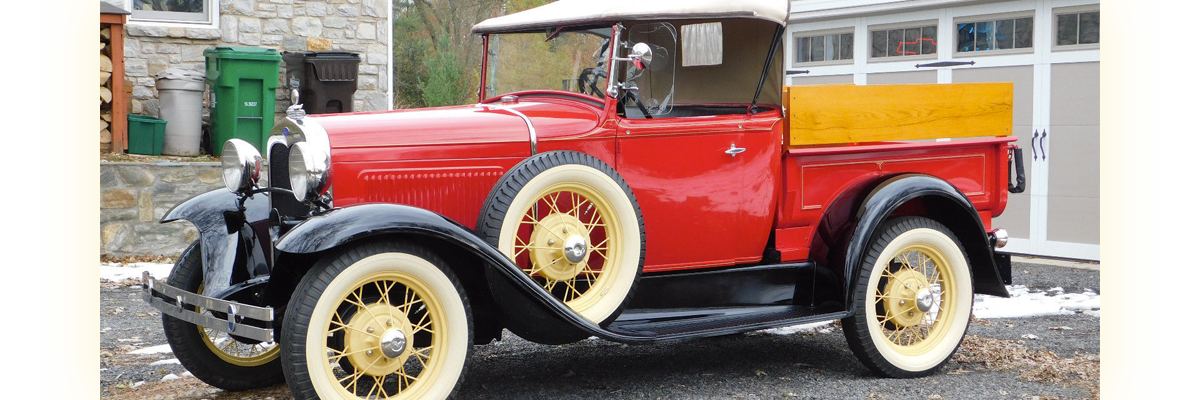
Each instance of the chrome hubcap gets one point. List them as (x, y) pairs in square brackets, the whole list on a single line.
[(392, 343), (575, 248), (924, 300)]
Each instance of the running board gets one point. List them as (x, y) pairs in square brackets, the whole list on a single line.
[(659, 325)]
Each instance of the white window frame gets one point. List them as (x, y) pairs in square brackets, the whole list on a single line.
[(994, 17), (1054, 32), (871, 29), (824, 32), (211, 22)]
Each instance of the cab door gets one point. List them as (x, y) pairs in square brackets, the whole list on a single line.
[(688, 177)]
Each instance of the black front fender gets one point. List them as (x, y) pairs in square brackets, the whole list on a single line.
[(222, 229), (947, 205), (347, 225)]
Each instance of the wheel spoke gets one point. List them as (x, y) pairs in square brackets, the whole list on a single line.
[(539, 223), (575, 203), (357, 374), (571, 285), (423, 358), (378, 385)]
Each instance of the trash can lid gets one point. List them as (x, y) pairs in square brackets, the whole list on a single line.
[(242, 53), (340, 55), (181, 74)]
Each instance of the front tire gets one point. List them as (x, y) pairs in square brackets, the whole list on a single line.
[(377, 320), (912, 300), (214, 357)]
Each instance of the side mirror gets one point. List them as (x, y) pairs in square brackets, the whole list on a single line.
[(640, 55)]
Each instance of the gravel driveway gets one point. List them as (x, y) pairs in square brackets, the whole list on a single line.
[(1046, 357)]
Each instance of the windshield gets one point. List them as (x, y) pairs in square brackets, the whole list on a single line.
[(575, 61)]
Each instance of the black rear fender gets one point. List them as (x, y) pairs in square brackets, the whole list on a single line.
[(849, 224)]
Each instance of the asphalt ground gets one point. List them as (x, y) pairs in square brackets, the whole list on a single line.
[(1020, 358)]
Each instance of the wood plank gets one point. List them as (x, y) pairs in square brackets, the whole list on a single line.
[(834, 114)]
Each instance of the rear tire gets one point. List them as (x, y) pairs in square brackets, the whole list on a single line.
[(912, 301)]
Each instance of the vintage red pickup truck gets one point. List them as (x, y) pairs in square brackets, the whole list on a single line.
[(631, 171)]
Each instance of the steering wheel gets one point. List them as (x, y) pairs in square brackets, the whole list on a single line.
[(629, 94), (587, 81)]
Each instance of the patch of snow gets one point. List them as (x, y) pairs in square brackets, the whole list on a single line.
[(1030, 336), (138, 383), (153, 350), (118, 272), (1024, 303), (187, 374), (169, 377), (164, 362)]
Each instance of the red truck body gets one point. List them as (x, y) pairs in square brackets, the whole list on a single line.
[(702, 208)]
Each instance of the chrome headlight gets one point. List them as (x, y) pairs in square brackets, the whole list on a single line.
[(308, 170), (240, 165)]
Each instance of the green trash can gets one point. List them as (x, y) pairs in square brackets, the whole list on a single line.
[(146, 134), (242, 82)]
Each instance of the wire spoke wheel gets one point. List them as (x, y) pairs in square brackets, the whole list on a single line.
[(217, 358), (385, 337), (380, 320), (909, 299), (563, 242), (912, 299), (571, 224), (236, 351)]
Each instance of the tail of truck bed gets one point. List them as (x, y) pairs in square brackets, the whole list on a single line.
[(843, 140)]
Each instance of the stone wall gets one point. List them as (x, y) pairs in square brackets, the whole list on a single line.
[(135, 196), (359, 26)]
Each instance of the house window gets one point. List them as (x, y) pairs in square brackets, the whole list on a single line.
[(995, 34), (828, 47), (185, 11), (900, 42), (1077, 28)]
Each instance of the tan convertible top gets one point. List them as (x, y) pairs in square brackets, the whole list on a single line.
[(583, 12)]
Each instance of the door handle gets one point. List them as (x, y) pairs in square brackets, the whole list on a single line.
[(1042, 144), (734, 150)]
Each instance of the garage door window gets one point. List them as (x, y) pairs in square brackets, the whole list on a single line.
[(832, 48), (899, 42), (1078, 28), (995, 34)]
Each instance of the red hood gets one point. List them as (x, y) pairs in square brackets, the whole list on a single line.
[(458, 132), (356, 134)]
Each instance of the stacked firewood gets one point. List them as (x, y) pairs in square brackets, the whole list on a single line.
[(106, 94)]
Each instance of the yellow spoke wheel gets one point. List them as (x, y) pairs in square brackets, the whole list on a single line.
[(234, 351), (572, 225), (562, 242), (913, 299), (389, 321), (217, 358)]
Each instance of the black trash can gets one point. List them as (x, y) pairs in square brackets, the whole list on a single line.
[(323, 81)]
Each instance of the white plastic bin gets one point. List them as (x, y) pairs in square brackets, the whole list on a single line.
[(181, 100)]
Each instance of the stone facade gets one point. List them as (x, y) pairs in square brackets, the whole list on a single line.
[(359, 26), (135, 196)]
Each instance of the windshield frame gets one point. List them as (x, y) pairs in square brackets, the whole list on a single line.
[(485, 77)]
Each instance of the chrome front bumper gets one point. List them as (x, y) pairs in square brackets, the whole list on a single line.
[(236, 313)]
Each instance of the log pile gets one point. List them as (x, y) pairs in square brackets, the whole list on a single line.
[(106, 94)]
